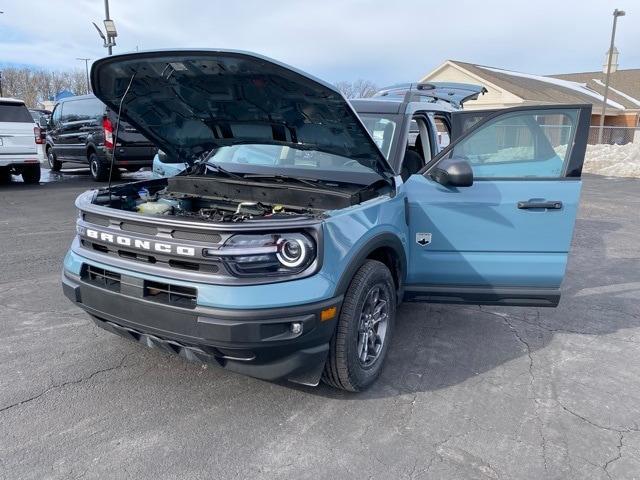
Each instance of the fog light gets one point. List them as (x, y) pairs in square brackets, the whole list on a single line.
[(296, 328)]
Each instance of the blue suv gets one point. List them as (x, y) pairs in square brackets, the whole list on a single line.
[(284, 248)]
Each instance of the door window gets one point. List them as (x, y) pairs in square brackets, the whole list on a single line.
[(382, 129), (444, 136), (56, 115), (80, 110), (532, 143)]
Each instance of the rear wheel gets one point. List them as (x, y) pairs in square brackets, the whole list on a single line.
[(5, 175), (54, 164), (99, 170), (360, 343), (31, 173)]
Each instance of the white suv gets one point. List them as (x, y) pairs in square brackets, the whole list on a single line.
[(19, 139)]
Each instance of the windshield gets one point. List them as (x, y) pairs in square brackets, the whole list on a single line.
[(279, 159), (273, 159)]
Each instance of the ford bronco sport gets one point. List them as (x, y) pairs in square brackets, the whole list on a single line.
[(283, 249)]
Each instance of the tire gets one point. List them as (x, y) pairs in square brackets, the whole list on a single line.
[(31, 174), (99, 170), (54, 164), (345, 368), (5, 175)]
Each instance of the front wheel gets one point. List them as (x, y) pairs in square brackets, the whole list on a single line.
[(361, 340)]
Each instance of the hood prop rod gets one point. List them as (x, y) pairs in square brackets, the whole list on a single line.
[(115, 137)]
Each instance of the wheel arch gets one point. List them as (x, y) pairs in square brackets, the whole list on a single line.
[(91, 148), (386, 248)]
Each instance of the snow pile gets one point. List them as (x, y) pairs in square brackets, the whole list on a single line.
[(613, 160)]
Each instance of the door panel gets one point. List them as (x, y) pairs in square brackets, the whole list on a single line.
[(479, 236), (506, 238)]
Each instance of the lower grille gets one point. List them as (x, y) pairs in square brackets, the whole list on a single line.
[(176, 295), (160, 292), (101, 277)]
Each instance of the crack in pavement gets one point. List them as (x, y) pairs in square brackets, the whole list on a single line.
[(619, 431), (616, 458), (635, 428), (543, 441), (64, 384)]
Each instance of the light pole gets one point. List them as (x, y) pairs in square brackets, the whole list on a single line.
[(86, 69), (616, 13), (110, 28)]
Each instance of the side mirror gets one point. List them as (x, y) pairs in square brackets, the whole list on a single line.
[(44, 123), (453, 172)]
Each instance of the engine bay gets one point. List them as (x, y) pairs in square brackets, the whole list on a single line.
[(221, 200)]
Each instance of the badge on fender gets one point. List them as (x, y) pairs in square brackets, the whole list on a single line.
[(423, 239)]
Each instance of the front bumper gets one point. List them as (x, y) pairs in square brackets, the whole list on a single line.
[(254, 342)]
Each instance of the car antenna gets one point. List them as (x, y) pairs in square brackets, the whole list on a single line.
[(115, 138)]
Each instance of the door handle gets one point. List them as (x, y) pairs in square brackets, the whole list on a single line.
[(551, 205)]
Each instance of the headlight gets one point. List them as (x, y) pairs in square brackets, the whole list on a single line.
[(259, 255)]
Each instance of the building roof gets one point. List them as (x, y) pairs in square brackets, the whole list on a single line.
[(542, 89), (624, 85), (567, 89)]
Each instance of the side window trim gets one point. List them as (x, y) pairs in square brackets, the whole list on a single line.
[(573, 165)]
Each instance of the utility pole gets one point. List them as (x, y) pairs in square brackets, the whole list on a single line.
[(616, 13), (86, 69)]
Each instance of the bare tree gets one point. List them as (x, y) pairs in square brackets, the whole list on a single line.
[(36, 85), (357, 89)]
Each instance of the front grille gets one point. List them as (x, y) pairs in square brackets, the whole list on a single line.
[(176, 295), (138, 228), (196, 236), (96, 219), (148, 235)]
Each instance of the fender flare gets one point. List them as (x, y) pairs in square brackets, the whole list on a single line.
[(386, 239)]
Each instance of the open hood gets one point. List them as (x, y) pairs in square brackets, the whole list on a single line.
[(189, 102), (451, 92)]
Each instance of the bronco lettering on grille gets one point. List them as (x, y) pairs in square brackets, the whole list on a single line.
[(141, 244)]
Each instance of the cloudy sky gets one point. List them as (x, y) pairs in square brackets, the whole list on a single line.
[(384, 41)]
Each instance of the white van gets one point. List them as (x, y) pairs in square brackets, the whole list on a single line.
[(19, 139)]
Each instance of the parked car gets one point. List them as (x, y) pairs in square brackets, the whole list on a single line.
[(19, 140), (299, 226), (83, 130)]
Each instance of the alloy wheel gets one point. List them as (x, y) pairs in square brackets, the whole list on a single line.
[(372, 328)]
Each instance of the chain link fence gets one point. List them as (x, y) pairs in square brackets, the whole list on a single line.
[(614, 135)]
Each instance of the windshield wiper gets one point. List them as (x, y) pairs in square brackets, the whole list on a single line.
[(219, 169), (201, 166), (307, 181)]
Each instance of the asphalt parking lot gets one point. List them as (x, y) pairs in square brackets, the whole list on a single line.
[(467, 392)]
